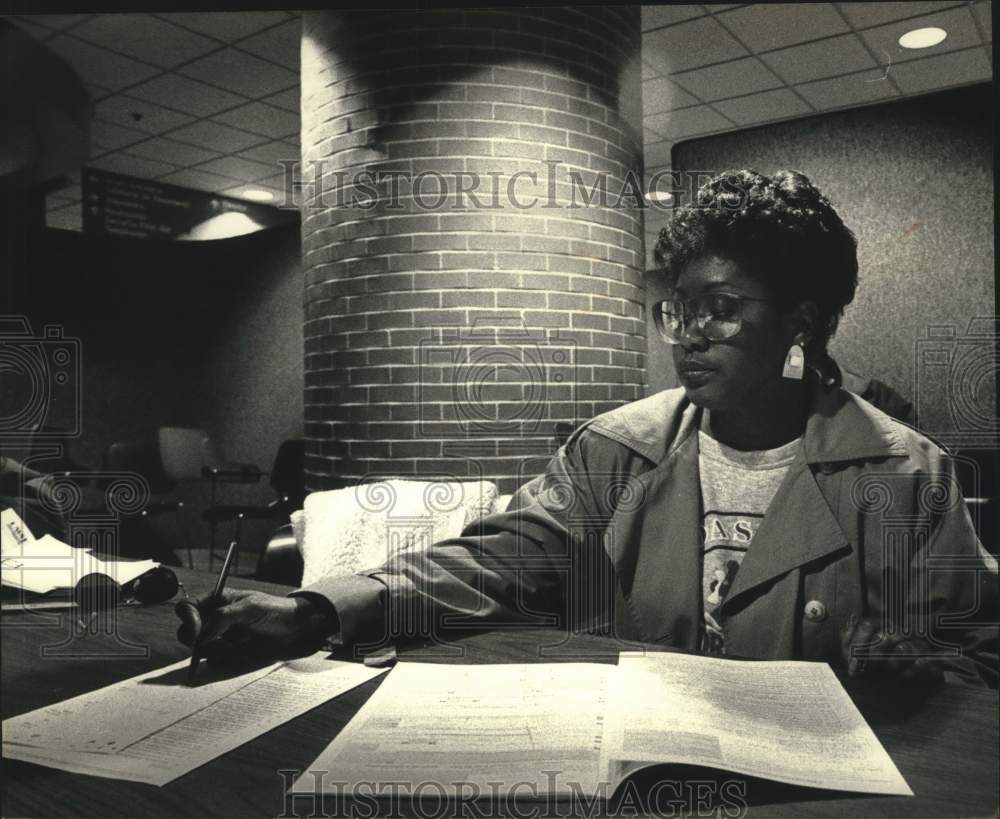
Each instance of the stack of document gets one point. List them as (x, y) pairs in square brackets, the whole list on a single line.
[(46, 564), (154, 728)]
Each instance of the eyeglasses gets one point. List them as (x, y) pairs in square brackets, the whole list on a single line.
[(717, 316)]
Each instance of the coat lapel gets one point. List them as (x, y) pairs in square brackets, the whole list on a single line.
[(657, 548), (799, 528)]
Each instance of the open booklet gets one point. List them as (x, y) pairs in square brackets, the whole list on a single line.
[(46, 565), (579, 729)]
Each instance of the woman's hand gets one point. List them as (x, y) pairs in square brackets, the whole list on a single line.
[(252, 622), (872, 653)]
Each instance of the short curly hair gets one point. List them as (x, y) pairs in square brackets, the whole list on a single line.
[(779, 229)]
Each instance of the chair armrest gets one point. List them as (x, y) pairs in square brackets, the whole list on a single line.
[(281, 561)]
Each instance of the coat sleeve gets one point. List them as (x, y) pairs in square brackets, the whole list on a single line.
[(963, 593), (509, 568)]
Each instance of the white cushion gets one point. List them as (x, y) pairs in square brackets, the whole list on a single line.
[(344, 531)]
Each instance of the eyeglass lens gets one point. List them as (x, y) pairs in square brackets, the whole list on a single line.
[(716, 316)]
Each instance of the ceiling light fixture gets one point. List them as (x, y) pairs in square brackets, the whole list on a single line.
[(659, 196), (258, 195), (923, 37)]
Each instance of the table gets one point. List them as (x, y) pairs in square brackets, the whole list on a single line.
[(944, 741)]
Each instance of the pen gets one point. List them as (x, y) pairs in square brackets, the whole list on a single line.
[(211, 604)]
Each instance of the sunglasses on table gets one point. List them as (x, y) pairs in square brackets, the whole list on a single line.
[(717, 316)]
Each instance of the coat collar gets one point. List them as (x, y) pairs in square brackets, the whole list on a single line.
[(651, 557), (841, 427)]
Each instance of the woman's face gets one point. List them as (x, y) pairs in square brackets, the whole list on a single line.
[(737, 373)]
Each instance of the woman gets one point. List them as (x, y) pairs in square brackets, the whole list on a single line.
[(757, 511)]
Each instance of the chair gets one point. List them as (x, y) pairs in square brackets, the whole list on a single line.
[(347, 530), (287, 479), (143, 457)]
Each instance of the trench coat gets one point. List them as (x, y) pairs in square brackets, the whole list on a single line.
[(869, 521)]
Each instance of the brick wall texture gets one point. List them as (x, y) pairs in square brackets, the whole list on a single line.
[(468, 286)]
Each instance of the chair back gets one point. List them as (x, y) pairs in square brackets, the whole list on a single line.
[(142, 457), (288, 476), (185, 451)]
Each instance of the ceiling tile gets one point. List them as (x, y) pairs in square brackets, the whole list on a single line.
[(827, 58), (289, 100), (942, 71), (666, 15), (688, 45), (183, 94), (216, 136), (278, 181), (657, 154), (199, 180), (169, 150), (123, 110), (98, 65), (110, 136), (240, 72), (227, 26), (852, 89), (56, 22), (280, 44), (728, 79), (261, 119), (244, 170), (687, 122), (779, 103), (662, 95), (131, 165), (27, 24), (984, 11), (97, 92), (272, 152), (762, 26), (958, 22), (863, 15), (144, 37)]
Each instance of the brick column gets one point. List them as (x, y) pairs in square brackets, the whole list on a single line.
[(468, 286)]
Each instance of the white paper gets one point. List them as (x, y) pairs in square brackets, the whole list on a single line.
[(45, 564), (561, 728), (154, 728), (788, 721), (540, 724)]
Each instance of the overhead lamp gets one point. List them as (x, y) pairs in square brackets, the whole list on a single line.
[(659, 196), (923, 37), (258, 195)]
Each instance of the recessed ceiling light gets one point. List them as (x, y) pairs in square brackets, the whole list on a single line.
[(258, 195), (923, 37)]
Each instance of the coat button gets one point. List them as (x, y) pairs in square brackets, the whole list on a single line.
[(815, 611)]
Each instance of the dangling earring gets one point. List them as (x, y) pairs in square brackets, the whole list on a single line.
[(795, 363)]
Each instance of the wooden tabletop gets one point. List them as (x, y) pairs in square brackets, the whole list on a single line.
[(943, 740)]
